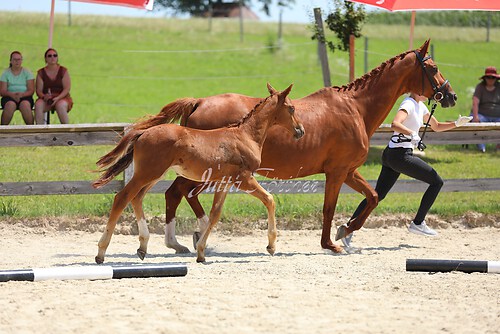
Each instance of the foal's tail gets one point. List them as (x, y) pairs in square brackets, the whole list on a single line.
[(176, 111), (118, 159)]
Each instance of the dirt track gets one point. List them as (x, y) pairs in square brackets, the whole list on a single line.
[(241, 289)]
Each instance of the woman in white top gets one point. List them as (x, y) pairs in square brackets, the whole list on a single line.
[(398, 159), (17, 86)]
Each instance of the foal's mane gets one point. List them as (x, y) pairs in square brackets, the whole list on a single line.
[(247, 116), (376, 72)]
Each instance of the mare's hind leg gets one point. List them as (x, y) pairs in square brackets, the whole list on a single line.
[(120, 202), (173, 196), (358, 183), (215, 212), (252, 187), (141, 220)]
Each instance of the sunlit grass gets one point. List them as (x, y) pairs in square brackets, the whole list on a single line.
[(123, 69)]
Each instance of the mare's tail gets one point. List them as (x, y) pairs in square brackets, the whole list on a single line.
[(118, 159), (179, 110)]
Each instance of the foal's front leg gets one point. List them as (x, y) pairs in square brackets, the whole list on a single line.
[(252, 187), (215, 212)]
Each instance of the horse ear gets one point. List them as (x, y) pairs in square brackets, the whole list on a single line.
[(282, 96), (271, 89), (425, 47), (286, 91)]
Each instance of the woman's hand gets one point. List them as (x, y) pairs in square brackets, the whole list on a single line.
[(461, 120)]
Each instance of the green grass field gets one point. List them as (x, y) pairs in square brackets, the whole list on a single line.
[(123, 69)]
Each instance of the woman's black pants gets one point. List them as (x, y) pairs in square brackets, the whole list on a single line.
[(397, 161)]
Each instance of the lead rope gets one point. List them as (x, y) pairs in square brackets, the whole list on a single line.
[(421, 146)]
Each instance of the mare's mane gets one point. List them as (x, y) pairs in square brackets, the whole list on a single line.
[(367, 77), (253, 111)]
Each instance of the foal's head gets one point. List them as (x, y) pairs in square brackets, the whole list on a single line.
[(432, 83), (285, 112)]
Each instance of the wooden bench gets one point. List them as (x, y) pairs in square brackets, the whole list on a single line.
[(109, 134)]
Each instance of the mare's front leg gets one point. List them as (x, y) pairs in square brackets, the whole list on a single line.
[(141, 221), (121, 200), (182, 187), (215, 212), (332, 189), (252, 187), (358, 183)]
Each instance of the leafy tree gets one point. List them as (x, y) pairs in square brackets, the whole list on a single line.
[(198, 7), (345, 20)]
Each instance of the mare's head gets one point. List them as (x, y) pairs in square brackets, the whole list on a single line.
[(285, 112), (429, 81)]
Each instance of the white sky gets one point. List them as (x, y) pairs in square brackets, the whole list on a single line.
[(300, 13)]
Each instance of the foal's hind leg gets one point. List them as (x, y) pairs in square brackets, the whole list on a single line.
[(215, 212), (120, 202), (252, 187), (141, 220)]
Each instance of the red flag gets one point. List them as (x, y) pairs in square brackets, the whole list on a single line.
[(400, 5), (144, 4)]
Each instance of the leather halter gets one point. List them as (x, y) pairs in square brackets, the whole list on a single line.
[(438, 94)]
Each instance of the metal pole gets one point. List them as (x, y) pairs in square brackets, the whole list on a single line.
[(51, 24), (488, 28), (241, 21), (280, 28), (323, 57), (366, 54), (351, 57), (412, 26), (69, 13)]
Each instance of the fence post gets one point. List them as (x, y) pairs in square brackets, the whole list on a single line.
[(322, 48)]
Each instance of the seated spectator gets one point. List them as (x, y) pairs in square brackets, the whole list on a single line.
[(486, 100), (52, 88), (17, 86)]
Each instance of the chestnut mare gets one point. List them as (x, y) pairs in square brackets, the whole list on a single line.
[(339, 122), (229, 154)]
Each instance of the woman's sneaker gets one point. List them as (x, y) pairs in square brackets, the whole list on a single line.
[(422, 229)]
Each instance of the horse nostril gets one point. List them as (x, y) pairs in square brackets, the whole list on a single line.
[(455, 97)]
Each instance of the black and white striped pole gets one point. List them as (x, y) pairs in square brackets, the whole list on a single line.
[(93, 272), (445, 266)]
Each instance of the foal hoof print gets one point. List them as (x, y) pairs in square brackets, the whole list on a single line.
[(141, 254)]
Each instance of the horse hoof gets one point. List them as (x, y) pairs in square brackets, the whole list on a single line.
[(341, 232), (141, 254), (200, 260), (196, 238), (99, 260), (182, 250), (271, 250)]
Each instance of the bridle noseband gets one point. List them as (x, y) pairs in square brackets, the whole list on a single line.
[(438, 94)]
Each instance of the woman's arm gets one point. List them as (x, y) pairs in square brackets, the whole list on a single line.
[(3, 89), (39, 86), (439, 126), (66, 81), (397, 123), (475, 109), (30, 85)]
